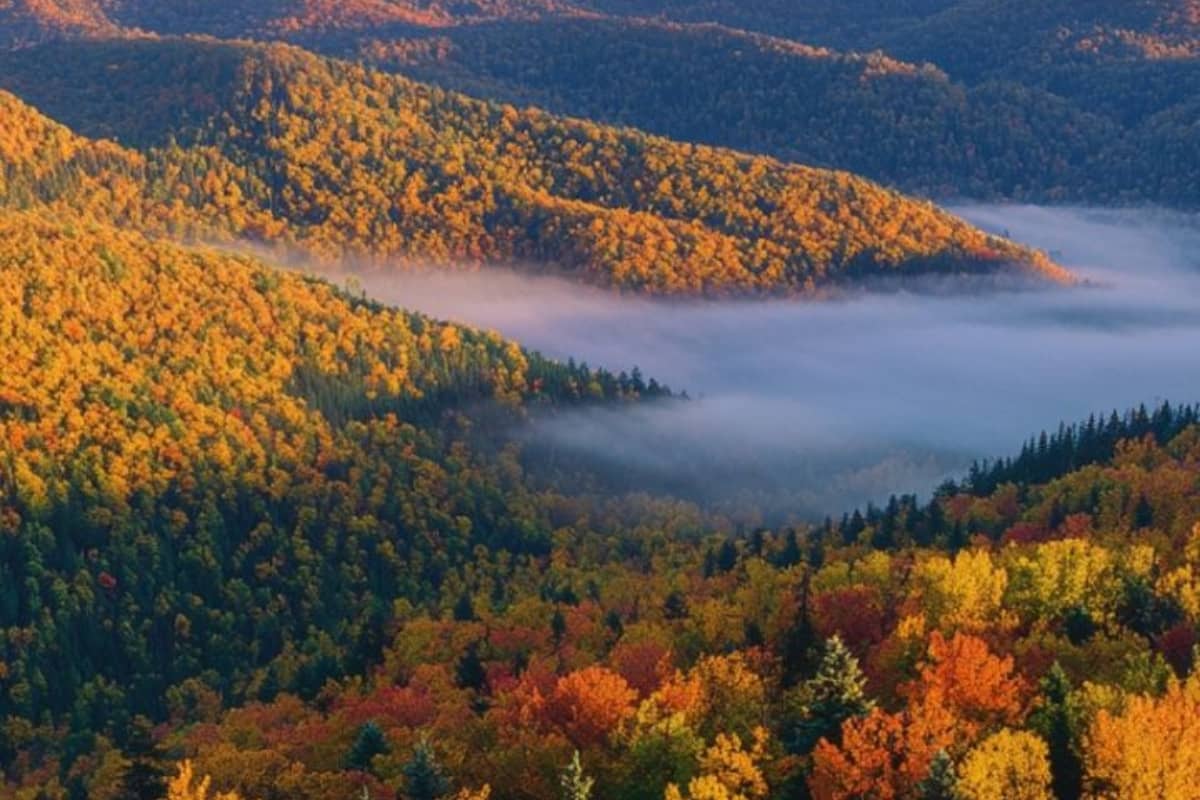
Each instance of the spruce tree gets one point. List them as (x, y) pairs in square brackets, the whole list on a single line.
[(370, 742), (464, 609), (470, 672), (423, 776), (836, 693), (1054, 721), (146, 777), (939, 784)]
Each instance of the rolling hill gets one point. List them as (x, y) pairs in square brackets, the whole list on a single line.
[(904, 124), (187, 436), (253, 522), (274, 145), (264, 539), (974, 98)]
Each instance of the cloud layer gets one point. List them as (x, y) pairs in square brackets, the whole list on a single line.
[(811, 407)]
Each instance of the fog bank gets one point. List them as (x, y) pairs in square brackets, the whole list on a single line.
[(817, 406)]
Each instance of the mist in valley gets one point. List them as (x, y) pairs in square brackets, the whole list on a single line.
[(802, 408)]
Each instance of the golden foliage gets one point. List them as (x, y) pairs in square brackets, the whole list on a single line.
[(1008, 765), (1150, 750), (341, 161), (728, 771), (185, 787)]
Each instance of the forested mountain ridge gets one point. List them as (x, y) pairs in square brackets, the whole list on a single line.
[(904, 124), (275, 145), (1141, 29), (281, 542), (1062, 115), (1035, 635), (1054, 102), (1165, 27), (24, 22), (211, 470)]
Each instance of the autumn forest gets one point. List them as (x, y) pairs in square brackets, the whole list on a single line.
[(599, 400)]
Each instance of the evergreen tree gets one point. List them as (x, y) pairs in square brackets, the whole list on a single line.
[(1054, 721), (1143, 514), (957, 539), (799, 648), (752, 634), (816, 553), (612, 621), (940, 783), (464, 610), (1078, 625), (423, 776), (675, 606), (470, 672), (370, 742), (558, 626), (757, 542), (146, 777), (727, 556), (836, 693), (790, 554), (576, 785)]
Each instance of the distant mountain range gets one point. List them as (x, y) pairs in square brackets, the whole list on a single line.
[(992, 99), (276, 146)]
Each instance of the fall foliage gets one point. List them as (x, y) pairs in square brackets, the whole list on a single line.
[(277, 146), (264, 539)]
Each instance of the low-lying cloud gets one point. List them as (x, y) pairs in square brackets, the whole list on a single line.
[(814, 407)]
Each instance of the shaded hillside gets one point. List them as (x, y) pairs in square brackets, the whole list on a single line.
[(1050, 103), (893, 121), (24, 22), (972, 37), (1057, 615), (273, 144), (210, 468), (1124, 59)]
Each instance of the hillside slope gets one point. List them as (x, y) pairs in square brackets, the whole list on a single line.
[(213, 469), (24, 22), (1043, 103), (1055, 613), (896, 122), (272, 144)]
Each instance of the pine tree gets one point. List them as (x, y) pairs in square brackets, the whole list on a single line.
[(940, 783), (423, 776), (576, 785), (370, 742)]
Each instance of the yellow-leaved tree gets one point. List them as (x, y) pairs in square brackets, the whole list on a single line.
[(1008, 765), (185, 787), (728, 771), (1149, 751)]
